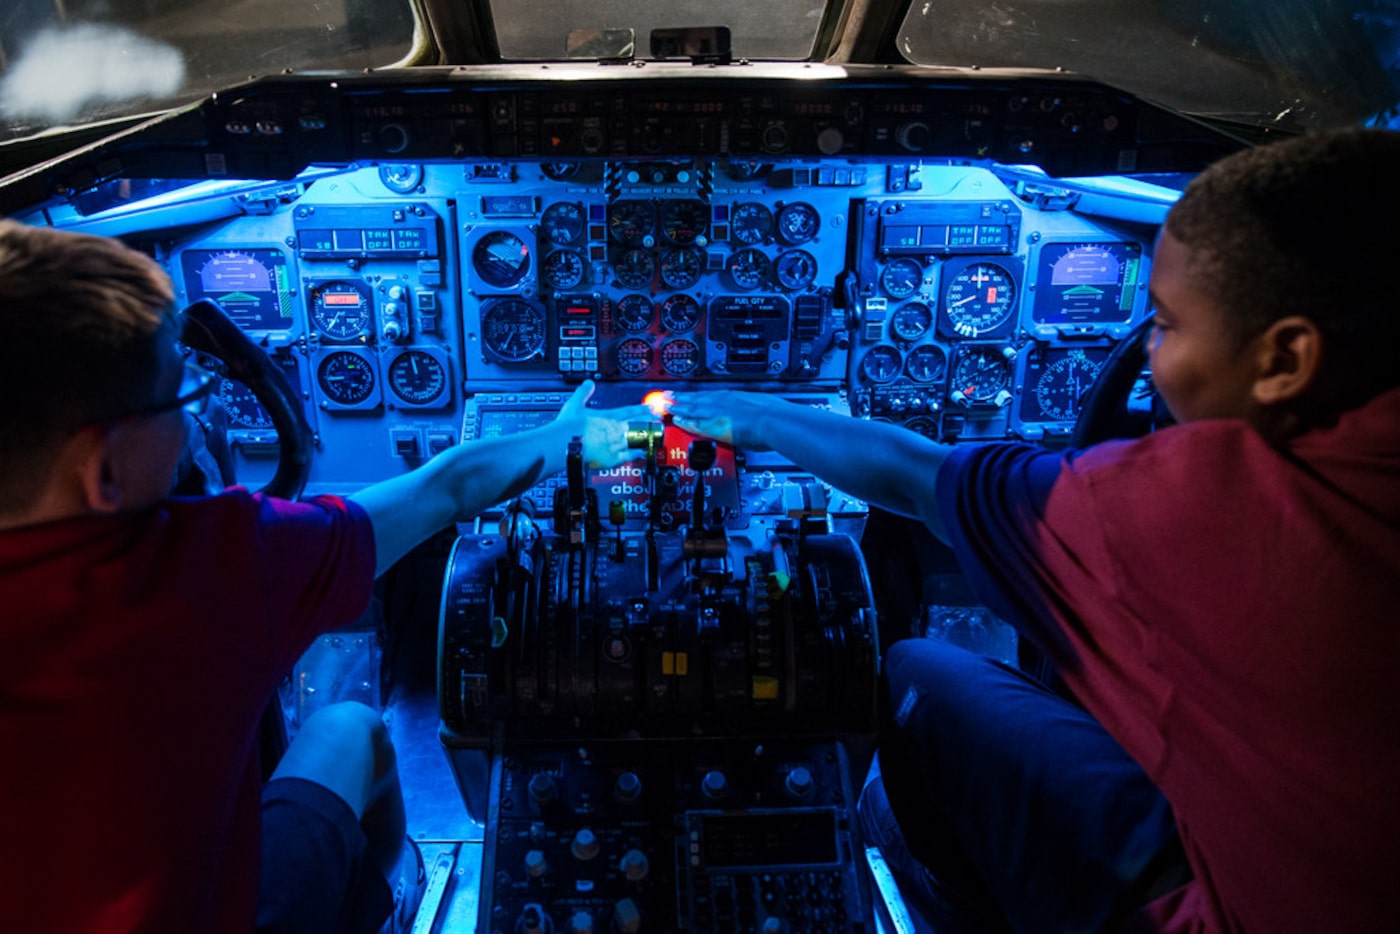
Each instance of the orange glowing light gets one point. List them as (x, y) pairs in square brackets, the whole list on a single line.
[(659, 401)]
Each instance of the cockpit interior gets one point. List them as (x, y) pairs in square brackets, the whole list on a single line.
[(643, 699)]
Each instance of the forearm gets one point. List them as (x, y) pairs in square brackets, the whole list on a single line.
[(458, 484), (886, 465)]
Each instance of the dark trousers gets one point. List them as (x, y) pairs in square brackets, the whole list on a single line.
[(1018, 811)]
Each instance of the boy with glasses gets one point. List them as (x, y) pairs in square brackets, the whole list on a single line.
[(141, 636)]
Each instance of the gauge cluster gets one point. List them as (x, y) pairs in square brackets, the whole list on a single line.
[(655, 271), (927, 295), (979, 316)]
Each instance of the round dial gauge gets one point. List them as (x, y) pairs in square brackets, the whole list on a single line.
[(741, 170), (679, 313), (795, 269), (901, 277), (680, 268), (346, 378), (980, 375), (911, 320), (750, 223), (417, 377), (634, 313), (979, 299), (1063, 384), (924, 425), (680, 357), (749, 268), (880, 364), (926, 364), (798, 222), (341, 310), (560, 171), (562, 269), (513, 330), (631, 223), (633, 357), (685, 221), (563, 223), (501, 259), (635, 269), (400, 177), (243, 408)]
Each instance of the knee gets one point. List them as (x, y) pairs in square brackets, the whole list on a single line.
[(928, 662), (347, 716), (354, 725)]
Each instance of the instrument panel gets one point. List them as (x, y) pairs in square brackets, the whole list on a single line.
[(925, 294)]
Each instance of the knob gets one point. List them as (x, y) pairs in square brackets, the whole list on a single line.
[(626, 917), (1002, 397), (635, 865), (715, 785), (535, 864), (585, 845), (396, 293), (591, 139), (798, 783), (581, 923), (392, 138), (960, 398), (533, 920), (914, 137), (627, 788), (393, 331), (543, 788), (830, 141)]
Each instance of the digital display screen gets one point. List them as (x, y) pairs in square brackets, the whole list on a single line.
[(1087, 283), (785, 837), (323, 243), (251, 286)]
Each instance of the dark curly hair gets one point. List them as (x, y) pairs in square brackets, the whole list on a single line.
[(1309, 226)]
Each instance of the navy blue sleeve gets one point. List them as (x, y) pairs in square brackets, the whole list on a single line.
[(992, 499)]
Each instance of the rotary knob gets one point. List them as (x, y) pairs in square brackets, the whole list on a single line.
[(585, 845), (635, 865), (798, 783), (543, 789), (627, 788)]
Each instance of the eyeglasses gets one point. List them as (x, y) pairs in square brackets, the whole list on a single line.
[(196, 386)]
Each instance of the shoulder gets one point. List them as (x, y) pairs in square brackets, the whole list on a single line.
[(237, 503), (237, 518), (1011, 477)]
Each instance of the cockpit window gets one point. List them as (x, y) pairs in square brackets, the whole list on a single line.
[(79, 61), (537, 30), (1289, 64)]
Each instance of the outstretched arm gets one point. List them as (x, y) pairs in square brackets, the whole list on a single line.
[(884, 464), (463, 480)]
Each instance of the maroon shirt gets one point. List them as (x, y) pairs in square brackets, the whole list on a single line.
[(1231, 614), (137, 653)]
